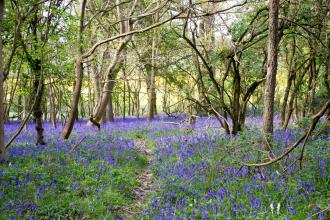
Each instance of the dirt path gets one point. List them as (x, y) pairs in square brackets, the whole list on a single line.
[(146, 180)]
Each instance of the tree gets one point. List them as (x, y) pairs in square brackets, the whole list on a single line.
[(113, 69), (2, 132), (269, 92), (79, 71)]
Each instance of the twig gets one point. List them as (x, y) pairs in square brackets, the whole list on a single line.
[(320, 212), (268, 146), (321, 128), (76, 144)]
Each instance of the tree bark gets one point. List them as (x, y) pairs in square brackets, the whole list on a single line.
[(326, 76), (2, 131), (236, 95), (269, 92), (124, 94), (312, 86), (151, 81), (110, 114), (79, 76), (52, 105), (38, 83), (37, 110)]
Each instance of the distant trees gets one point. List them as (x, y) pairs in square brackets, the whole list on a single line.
[(196, 57), (220, 68)]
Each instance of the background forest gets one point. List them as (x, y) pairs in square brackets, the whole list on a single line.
[(142, 109)]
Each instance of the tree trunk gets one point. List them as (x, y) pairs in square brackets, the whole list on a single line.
[(37, 109), (12, 92), (151, 74), (52, 105), (289, 83), (25, 110), (2, 131), (236, 95), (137, 97), (90, 102), (38, 83), (326, 77), (312, 88), (269, 92), (110, 114), (155, 99), (294, 98), (45, 110), (19, 107), (151, 82), (79, 77), (124, 95), (129, 98), (112, 70), (97, 83)]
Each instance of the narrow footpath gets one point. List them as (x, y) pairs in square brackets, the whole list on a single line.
[(146, 182)]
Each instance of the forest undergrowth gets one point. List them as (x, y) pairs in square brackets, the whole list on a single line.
[(196, 173)]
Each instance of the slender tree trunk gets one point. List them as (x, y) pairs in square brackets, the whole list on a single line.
[(289, 83), (151, 75), (38, 83), (129, 98), (37, 109), (79, 77), (19, 108), (124, 95), (45, 110), (97, 83), (312, 87), (13, 83), (100, 110), (2, 131), (289, 111), (5, 102), (25, 110), (52, 105), (110, 114), (326, 77), (294, 98), (269, 92), (155, 99), (137, 97), (90, 106), (236, 95), (82, 107), (151, 80)]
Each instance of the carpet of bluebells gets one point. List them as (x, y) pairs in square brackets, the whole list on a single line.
[(197, 173)]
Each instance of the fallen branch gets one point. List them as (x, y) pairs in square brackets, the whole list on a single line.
[(326, 209), (76, 145), (171, 123), (304, 138)]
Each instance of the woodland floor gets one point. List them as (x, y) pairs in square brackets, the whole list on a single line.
[(134, 169)]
